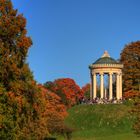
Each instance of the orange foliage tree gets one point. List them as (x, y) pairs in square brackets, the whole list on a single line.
[(27, 111), (67, 89), (54, 111), (130, 57), (18, 118)]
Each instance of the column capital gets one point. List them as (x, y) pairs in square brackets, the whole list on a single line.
[(93, 73), (101, 73), (119, 73), (110, 73)]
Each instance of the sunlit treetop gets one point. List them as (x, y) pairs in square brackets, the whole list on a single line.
[(14, 44)]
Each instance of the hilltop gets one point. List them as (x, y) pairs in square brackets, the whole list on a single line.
[(101, 122)]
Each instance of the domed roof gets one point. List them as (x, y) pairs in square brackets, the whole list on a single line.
[(105, 59)]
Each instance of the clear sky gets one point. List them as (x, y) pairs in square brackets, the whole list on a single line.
[(68, 35)]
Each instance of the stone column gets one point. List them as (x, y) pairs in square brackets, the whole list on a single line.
[(120, 77), (94, 86), (91, 87), (102, 85), (117, 86), (110, 86)]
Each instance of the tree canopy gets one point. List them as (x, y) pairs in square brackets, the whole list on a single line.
[(25, 107), (67, 89), (130, 57)]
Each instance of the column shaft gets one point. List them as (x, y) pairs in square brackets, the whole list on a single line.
[(94, 85), (110, 86), (120, 77), (102, 85), (91, 87), (117, 86)]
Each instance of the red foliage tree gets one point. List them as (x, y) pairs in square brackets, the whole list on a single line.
[(67, 89), (131, 94)]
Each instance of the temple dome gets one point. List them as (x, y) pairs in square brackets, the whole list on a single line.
[(106, 59)]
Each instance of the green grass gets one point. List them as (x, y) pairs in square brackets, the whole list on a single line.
[(101, 122)]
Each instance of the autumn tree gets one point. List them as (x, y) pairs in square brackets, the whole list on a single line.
[(130, 57), (55, 112), (18, 118), (67, 89), (52, 86), (14, 45)]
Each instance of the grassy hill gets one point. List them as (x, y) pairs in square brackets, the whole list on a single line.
[(101, 122)]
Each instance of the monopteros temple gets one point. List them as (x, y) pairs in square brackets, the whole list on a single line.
[(113, 69)]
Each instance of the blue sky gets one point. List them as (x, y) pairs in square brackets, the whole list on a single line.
[(68, 35)]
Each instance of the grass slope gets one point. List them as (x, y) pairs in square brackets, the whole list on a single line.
[(101, 122)]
